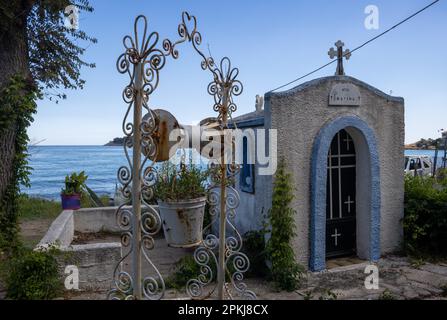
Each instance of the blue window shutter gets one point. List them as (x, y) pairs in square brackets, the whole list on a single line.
[(247, 170)]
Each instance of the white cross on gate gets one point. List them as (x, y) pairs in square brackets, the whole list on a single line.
[(347, 140), (349, 202), (336, 235)]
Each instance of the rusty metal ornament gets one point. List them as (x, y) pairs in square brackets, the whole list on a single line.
[(166, 123)]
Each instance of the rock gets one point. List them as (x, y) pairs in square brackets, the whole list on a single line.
[(433, 268), (424, 277)]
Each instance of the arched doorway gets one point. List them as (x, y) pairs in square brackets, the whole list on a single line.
[(341, 197), (364, 240)]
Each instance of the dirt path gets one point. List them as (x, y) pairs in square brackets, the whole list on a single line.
[(33, 230)]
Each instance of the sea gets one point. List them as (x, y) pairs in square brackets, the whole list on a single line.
[(52, 163)]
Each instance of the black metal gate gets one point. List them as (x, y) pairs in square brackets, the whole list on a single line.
[(341, 197)]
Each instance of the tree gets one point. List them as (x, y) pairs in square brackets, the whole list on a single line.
[(286, 272), (39, 57)]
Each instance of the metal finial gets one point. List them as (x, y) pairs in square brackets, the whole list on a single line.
[(340, 54)]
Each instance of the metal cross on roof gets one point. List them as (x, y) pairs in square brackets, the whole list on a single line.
[(339, 53)]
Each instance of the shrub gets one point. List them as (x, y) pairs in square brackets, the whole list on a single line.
[(180, 183), (32, 275), (286, 272), (425, 220), (387, 295), (254, 248), (185, 269)]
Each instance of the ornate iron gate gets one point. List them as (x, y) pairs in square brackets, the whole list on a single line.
[(341, 197), (142, 61)]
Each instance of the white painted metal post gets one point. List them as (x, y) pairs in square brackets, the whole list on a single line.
[(136, 181)]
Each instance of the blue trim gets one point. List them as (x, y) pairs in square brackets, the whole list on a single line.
[(317, 261), (246, 170)]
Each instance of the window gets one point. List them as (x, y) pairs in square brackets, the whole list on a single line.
[(247, 182), (418, 164), (412, 164)]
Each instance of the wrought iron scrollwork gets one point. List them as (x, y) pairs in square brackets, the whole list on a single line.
[(142, 62), (139, 53)]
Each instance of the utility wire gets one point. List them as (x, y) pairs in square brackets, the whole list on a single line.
[(359, 47)]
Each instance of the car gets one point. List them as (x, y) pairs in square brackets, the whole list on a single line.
[(420, 165)]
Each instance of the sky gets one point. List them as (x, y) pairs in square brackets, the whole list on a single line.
[(272, 43)]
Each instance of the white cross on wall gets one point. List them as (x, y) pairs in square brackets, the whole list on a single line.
[(347, 140), (349, 202), (336, 235)]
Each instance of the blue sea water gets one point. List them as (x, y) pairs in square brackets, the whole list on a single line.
[(52, 163)]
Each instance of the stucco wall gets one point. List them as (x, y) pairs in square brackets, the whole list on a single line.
[(249, 214), (299, 114)]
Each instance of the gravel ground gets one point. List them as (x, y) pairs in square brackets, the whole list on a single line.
[(398, 278)]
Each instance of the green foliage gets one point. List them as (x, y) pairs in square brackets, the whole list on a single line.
[(35, 208), (387, 295), (32, 275), (180, 183), (17, 101), (441, 177), (95, 200), (54, 51), (74, 183), (185, 269), (254, 248), (54, 62), (425, 220), (286, 272), (308, 295), (428, 143), (328, 295)]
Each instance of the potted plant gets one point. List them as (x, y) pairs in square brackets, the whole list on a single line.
[(71, 194), (181, 197)]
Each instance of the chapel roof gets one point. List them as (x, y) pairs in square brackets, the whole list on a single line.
[(256, 118), (318, 81)]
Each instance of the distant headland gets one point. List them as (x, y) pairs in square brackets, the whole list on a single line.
[(424, 144), (116, 142)]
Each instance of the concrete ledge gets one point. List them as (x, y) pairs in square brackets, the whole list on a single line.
[(61, 231), (96, 220), (96, 262)]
